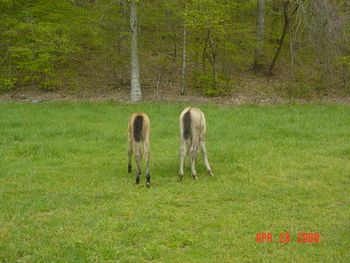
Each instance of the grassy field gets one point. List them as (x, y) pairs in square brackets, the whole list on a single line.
[(66, 196)]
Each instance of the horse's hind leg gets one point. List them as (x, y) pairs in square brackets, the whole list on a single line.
[(193, 155), (138, 160), (183, 151), (205, 157), (129, 155), (148, 176)]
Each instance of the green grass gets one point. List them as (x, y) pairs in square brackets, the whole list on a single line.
[(65, 195)]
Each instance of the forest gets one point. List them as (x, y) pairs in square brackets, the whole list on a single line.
[(297, 48)]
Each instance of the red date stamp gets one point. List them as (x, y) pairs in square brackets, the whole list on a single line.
[(285, 237), (263, 237), (305, 237)]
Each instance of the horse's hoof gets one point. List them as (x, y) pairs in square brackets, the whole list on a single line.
[(148, 185), (129, 168)]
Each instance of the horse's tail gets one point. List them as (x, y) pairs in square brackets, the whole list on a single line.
[(138, 123), (187, 125)]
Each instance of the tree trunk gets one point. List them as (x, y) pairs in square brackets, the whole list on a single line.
[(135, 92), (183, 80), (260, 31), (212, 60), (204, 53), (280, 42)]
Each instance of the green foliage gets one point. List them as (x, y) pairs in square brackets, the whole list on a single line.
[(84, 43), (43, 39), (8, 84), (206, 83), (207, 14), (344, 61), (211, 86), (66, 195)]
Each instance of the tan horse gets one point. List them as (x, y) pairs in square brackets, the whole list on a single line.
[(138, 141), (192, 133)]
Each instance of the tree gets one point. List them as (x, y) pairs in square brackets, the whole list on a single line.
[(208, 27), (135, 91), (283, 35), (183, 73), (260, 31)]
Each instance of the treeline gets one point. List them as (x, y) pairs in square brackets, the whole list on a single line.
[(189, 44)]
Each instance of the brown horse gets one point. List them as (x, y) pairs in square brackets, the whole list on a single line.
[(192, 133), (138, 141)]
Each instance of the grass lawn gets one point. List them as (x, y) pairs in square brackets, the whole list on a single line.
[(66, 196)]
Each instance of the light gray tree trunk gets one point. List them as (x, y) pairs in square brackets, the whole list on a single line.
[(260, 32), (183, 80), (135, 92)]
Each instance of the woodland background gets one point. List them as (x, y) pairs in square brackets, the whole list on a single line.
[(85, 44)]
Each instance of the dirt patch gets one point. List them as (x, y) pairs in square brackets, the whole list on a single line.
[(170, 94)]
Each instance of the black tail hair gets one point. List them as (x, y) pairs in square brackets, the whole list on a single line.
[(138, 123), (187, 125)]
